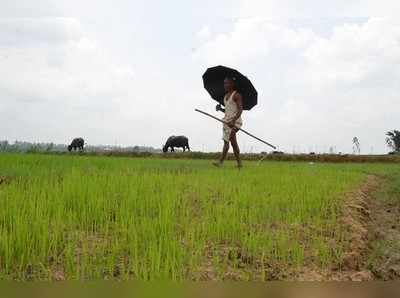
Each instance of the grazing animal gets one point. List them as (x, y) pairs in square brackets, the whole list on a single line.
[(76, 143), (176, 141), (278, 152)]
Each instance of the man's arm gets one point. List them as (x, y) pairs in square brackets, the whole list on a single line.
[(239, 102), (238, 99)]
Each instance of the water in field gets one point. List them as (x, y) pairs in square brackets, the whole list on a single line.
[(76, 217)]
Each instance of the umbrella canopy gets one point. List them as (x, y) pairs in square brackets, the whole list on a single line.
[(213, 80)]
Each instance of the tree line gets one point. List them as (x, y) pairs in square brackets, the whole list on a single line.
[(28, 147), (392, 141)]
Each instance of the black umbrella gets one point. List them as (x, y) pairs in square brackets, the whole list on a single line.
[(213, 80)]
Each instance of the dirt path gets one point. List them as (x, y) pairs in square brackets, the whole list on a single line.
[(384, 236), (372, 223)]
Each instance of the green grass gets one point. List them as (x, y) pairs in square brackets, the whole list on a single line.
[(153, 219)]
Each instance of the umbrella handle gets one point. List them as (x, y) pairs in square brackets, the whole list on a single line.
[(219, 108)]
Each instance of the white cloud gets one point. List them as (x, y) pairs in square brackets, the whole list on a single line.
[(52, 69), (52, 60), (356, 54), (253, 39), (204, 33), (315, 9), (36, 31)]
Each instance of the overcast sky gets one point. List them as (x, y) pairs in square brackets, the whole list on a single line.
[(129, 72)]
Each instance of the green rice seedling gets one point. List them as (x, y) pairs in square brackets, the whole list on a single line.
[(96, 217)]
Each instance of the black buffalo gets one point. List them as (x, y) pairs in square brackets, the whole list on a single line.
[(176, 141), (278, 152), (77, 143)]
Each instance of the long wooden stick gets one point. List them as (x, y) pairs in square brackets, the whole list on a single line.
[(246, 132)]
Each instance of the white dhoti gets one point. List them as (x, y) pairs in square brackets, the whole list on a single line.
[(227, 131)]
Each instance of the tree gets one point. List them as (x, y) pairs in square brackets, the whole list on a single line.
[(50, 147), (3, 145), (356, 146), (393, 140)]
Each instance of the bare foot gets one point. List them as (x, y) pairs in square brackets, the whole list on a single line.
[(217, 164)]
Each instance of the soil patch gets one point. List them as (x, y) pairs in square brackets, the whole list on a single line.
[(356, 218), (373, 229), (384, 235), (4, 180)]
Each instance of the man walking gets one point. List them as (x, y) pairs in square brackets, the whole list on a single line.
[(233, 102)]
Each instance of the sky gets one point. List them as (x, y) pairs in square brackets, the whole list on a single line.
[(129, 72)]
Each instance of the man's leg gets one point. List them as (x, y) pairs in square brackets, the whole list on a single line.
[(236, 149), (225, 150)]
